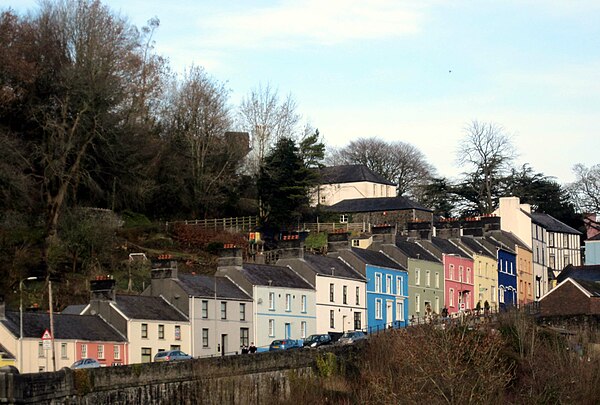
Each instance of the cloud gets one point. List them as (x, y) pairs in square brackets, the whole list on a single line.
[(312, 22)]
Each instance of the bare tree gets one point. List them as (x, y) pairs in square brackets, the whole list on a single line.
[(398, 162), (267, 119), (585, 190), (487, 151)]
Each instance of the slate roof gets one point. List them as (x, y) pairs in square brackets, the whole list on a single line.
[(415, 251), (593, 287), (204, 286), (73, 309), (376, 259), (447, 247), (276, 276), (589, 272), (496, 244), (476, 246), (509, 239), (552, 224), (66, 326), (350, 174), (326, 265), (150, 308), (378, 204)]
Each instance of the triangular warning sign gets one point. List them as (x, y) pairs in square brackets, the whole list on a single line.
[(46, 335)]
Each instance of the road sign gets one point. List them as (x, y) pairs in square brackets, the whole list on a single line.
[(47, 340)]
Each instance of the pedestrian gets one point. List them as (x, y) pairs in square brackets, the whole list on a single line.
[(245, 349), (445, 312), (252, 348)]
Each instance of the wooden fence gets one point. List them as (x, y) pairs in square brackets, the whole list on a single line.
[(333, 226), (237, 224)]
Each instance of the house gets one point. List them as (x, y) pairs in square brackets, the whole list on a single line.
[(592, 250), (387, 287), (151, 324), (340, 291), (75, 337), (337, 183), (543, 275), (283, 301), (380, 210), (461, 285), (220, 312), (591, 272), (425, 276), (572, 297), (507, 271)]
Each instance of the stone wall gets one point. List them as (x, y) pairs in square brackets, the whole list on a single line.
[(261, 378)]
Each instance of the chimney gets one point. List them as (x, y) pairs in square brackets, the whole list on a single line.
[(164, 267), (102, 289), (420, 230), (230, 256)]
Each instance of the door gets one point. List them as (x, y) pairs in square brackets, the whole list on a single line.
[(389, 312), (344, 323), (288, 330), (223, 345)]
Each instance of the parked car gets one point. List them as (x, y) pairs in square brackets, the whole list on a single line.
[(351, 337), (85, 363), (317, 340), (284, 344), (171, 355)]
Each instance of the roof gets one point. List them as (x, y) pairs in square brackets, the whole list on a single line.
[(595, 237), (509, 239), (592, 287), (377, 204), (376, 259), (486, 241), (326, 265), (66, 326), (350, 174), (74, 309), (552, 224), (447, 247), (589, 272), (414, 251), (204, 286), (276, 276), (150, 308), (475, 246)]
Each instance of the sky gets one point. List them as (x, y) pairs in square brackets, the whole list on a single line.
[(416, 71)]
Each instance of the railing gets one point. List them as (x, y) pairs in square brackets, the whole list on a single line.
[(237, 224), (334, 226)]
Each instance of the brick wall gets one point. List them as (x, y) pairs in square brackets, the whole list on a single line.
[(565, 300)]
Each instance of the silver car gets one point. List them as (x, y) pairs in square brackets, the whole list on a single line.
[(351, 337), (85, 363), (171, 355)]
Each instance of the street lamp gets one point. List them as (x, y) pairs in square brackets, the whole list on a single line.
[(21, 319)]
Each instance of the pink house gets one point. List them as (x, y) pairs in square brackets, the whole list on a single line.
[(107, 353)]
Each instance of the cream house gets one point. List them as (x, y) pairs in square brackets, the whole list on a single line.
[(341, 296), (346, 182), (151, 324)]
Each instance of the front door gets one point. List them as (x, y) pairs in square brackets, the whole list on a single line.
[(223, 345), (389, 312), (288, 330)]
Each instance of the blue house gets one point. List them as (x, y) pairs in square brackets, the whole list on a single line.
[(507, 273), (387, 288)]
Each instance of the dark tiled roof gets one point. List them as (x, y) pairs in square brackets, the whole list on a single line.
[(66, 326), (476, 247), (327, 265), (204, 286), (593, 287), (447, 247), (276, 276), (350, 174), (415, 251), (552, 224), (491, 243), (73, 309), (589, 272), (378, 204), (376, 259), (151, 308), (509, 239)]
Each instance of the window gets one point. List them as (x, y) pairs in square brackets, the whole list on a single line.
[(357, 295), (552, 261), (468, 274), (388, 284), (332, 319), (451, 272), (304, 303), (204, 309), (83, 351), (205, 337), (417, 276), (323, 199), (501, 291), (378, 282), (357, 322), (100, 351), (427, 278), (271, 301), (417, 303), (355, 242), (345, 295), (565, 240), (303, 329), (175, 347), (493, 293), (242, 312), (144, 331), (451, 298), (244, 337), (344, 218), (378, 309), (117, 352), (331, 292), (288, 302), (41, 349), (63, 350), (177, 332), (551, 239), (271, 327), (398, 285), (461, 272), (146, 355), (437, 279), (223, 310), (161, 331), (437, 305), (399, 311)]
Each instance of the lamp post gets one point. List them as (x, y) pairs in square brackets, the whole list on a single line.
[(21, 320)]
